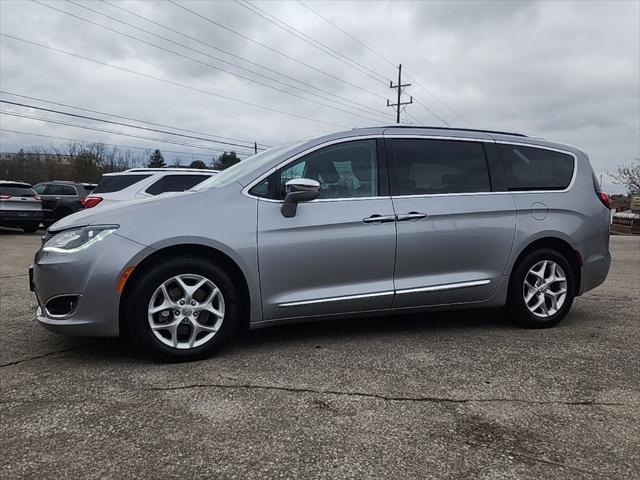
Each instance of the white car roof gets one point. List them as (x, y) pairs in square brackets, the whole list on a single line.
[(172, 170)]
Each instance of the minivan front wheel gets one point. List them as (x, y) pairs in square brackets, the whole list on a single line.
[(541, 290), (183, 309)]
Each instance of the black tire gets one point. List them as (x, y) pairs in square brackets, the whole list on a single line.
[(516, 307), (140, 296), (32, 228)]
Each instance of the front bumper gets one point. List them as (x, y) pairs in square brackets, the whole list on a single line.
[(91, 275)]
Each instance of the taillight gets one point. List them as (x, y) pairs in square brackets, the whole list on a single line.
[(91, 201), (4, 196), (604, 198)]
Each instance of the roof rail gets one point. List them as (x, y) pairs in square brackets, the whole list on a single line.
[(479, 130), (169, 169)]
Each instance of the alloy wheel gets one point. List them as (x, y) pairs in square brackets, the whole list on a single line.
[(186, 311), (545, 288)]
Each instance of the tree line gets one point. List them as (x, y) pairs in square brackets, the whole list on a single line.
[(88, 162)]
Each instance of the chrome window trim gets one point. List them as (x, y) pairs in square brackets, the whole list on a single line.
[(245, 190), (336, 299)]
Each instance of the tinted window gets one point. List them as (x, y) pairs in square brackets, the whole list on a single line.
[(40, 188), (529, 168), (439, 166), (16, 190), (345, 170), (175, 183), (61, 190), (115, 183)]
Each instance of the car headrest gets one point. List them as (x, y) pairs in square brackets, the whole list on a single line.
[(361, 168)]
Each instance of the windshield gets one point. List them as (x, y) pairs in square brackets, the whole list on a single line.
[(244, 167)]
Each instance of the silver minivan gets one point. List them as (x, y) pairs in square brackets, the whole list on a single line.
[(365, 222)]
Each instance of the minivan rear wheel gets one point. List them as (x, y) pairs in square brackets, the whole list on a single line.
[(541, 290), (183, 309)]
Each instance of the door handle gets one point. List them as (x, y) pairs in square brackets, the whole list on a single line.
[(411, 216), (378, 219)]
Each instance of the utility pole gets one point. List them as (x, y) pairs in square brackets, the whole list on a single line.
[(255, 147), (398, 106)]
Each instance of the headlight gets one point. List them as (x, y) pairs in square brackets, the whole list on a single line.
[(76, 239)]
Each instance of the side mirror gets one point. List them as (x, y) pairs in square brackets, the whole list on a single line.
[(298, 190)]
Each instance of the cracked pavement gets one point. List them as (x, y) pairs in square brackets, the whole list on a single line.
[(445, 395)]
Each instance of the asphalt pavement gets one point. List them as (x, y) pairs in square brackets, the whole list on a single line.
[(445, 395)]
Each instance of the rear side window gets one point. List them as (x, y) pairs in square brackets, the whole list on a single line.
[(40, 188), (13, 190), (61, 190), (115, 183), (175, 183), (427, 167), (530, 168)]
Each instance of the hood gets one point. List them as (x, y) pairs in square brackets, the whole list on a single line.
[(115, 214)]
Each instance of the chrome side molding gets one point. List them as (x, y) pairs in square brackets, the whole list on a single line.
[(434, 288)]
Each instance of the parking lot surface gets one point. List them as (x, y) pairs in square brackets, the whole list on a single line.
[(445, 395)]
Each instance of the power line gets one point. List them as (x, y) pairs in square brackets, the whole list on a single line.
[(440, 100), (102, 143), (226, 52), (271, 49), (431, 111), (204, 63), (366, 108), (97, 129), (122, 124), (346, 33), (171, 82), (413, 79), (312, 41), (260, 145), (70, 114)]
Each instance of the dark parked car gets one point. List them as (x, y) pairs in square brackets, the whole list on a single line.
[(20, 206), (59, 199)]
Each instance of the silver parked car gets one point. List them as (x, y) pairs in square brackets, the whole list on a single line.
[(369, 221), (20, 206), (144, 183)]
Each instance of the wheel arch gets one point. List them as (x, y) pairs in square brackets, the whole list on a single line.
[(559, 245), (213, 254)]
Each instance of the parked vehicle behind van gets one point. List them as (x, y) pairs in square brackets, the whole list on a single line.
[(60, 198), (365, 222), (139, 183), (20, 206)]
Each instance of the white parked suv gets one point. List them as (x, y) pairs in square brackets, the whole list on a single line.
[(144, 183)]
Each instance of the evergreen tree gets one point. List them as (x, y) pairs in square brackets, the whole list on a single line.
[(156, 160), (225, 160), (197, 164)]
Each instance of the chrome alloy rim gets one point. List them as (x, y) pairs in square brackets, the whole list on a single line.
[(186, 311), (545, 288)]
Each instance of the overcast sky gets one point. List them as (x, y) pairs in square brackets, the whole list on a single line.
[(567, 71)]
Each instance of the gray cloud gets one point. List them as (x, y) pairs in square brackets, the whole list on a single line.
[(568, 71)]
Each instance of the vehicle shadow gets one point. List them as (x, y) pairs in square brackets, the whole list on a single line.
[(327, 331)]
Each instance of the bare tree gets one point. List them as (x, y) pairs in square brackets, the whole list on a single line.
[(629, 176)]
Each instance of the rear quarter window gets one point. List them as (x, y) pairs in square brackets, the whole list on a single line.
[(531, 168), (115, 183), (175, 183), (16, 190)]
